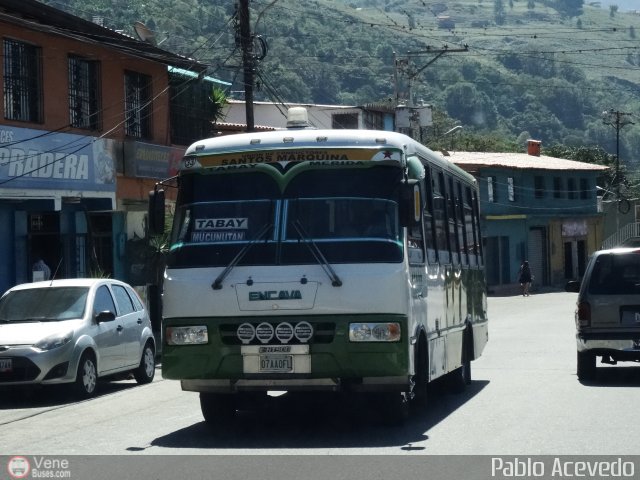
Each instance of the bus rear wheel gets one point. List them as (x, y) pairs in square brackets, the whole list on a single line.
[(459, 378), (218, 409)]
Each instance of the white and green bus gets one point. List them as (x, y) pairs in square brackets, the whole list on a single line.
[(310, 260)]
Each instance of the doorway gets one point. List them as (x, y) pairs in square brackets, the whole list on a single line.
[(575, 258), (44, 241)]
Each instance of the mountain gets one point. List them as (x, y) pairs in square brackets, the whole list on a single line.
[(511, 69)]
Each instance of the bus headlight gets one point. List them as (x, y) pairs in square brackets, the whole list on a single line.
[(374, 332), (195, 335)]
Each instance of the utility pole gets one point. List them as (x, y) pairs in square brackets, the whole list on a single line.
[(617, 120), (246, 44), (408, 73)]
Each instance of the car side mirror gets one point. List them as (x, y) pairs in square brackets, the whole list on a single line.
[(572, 286), (105, 316)]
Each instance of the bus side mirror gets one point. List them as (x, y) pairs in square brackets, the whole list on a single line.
[(410, 203), (156, 212)]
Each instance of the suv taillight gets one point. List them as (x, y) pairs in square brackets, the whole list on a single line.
[(583, 315)]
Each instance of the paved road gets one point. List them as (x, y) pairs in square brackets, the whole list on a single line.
[(525, 399)]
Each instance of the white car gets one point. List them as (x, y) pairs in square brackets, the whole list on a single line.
[(74, 331)]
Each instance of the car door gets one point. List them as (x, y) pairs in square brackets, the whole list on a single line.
[(133, 323), (109, 335)]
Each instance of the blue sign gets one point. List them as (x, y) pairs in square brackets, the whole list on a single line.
[(38, 159)]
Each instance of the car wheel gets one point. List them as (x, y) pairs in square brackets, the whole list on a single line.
[(218, 409), (87, 377), (586, 366), (147, 368)]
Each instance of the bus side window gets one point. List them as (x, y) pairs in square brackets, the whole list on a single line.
[(453, 222), (462, 233), (429, 220), (440, 215), (470, 228), (476, 227)]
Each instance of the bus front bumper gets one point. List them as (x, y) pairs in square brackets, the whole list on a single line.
[(365, 384)]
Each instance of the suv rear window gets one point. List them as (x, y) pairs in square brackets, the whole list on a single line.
[(616, 274)]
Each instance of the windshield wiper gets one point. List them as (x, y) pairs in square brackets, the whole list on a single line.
[(317, 254), (217, 284)]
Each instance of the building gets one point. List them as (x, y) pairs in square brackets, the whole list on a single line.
[(371, 117), (542, 209), (91, 119)]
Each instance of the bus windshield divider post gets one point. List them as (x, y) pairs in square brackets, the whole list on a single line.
[(317, 254)]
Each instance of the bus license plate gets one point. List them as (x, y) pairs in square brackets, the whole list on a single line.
[(5, 365), (276, 363)]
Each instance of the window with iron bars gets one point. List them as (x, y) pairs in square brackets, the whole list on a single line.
[(22, 81), (84, 93), (137, 105)]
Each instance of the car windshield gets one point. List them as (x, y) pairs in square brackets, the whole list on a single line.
[(48, 304), (616, 274)]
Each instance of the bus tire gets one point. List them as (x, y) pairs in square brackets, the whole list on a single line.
[(218, 409), (395, 406), (459, 378), (586, 366), (421, 377)]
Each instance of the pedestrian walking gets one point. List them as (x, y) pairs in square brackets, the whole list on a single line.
[(525, 278)]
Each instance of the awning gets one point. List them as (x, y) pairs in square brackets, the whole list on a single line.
[(189, 73)]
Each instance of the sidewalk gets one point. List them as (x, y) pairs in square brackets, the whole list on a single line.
[(514, 289)]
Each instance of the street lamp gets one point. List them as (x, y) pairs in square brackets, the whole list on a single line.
[(451, 132)]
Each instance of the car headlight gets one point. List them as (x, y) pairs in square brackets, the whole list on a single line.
[(196, 335), (374, 332), (54, 341)]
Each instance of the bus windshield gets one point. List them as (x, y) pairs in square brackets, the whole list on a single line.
[(350, 218)]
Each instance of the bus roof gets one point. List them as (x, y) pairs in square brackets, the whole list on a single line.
[(306, 139)]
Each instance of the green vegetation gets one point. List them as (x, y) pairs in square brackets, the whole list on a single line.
[(543, 69)]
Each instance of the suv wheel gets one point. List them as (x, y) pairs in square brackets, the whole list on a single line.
[(586, 366)]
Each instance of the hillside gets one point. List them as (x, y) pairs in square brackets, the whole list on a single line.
[(542, 69)]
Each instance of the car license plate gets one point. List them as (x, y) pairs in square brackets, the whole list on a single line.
[(6, 365), (276, 363)]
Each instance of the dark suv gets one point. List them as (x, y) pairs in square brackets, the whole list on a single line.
[(608, 310)]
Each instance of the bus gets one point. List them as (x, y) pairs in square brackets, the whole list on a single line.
[(320, 260)]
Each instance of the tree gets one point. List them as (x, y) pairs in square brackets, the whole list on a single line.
[(569, 8), (499, 12), (471, 107)]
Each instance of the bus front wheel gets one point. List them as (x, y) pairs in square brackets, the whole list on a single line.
[(218, 409)]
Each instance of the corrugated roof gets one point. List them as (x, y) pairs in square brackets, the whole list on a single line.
[(518, 161)]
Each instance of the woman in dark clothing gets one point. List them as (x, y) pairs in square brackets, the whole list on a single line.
[(524, 277)]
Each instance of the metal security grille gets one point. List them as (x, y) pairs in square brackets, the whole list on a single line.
[(137, 104), (192, 111), (22, 82), (84, 93)]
